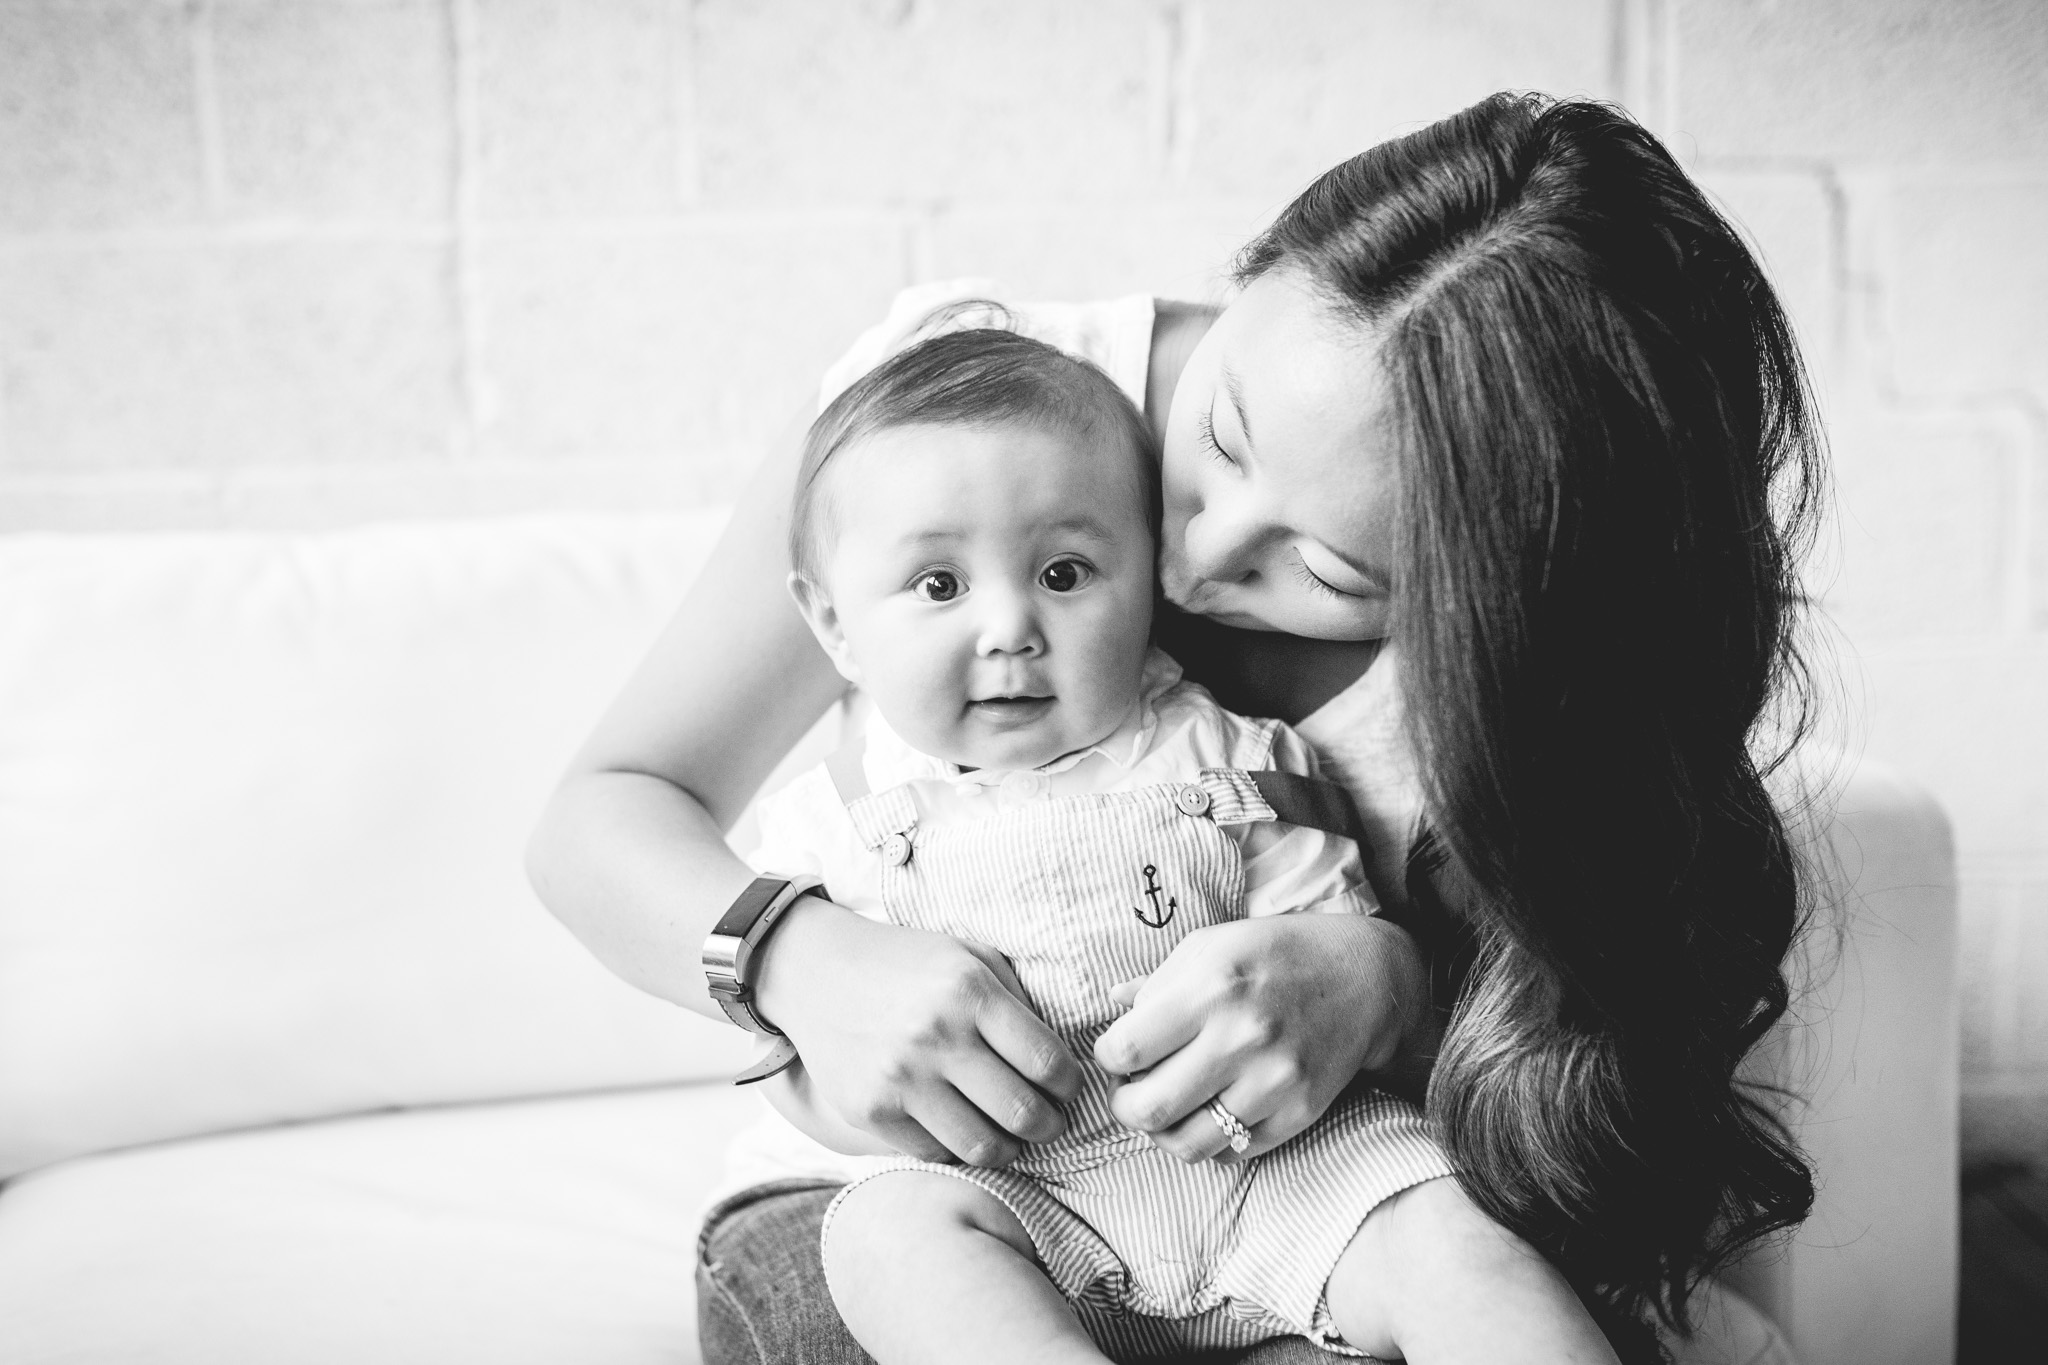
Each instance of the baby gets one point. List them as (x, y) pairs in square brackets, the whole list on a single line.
[(973, 542)]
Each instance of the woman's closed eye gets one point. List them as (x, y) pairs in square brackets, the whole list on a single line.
[(1308, 578), (1205, 428), (1349, 587)]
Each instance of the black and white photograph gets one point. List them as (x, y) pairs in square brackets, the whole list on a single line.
[(1023, 682)]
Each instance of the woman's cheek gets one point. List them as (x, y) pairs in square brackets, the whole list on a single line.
[(1296, 611)]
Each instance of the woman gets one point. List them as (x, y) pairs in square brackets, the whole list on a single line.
[(1492, 477)]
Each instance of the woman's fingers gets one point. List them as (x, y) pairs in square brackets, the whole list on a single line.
[(1162, 1020), (1161, 1097), (1268, 1112), (903, 1033), (1277, 1015), (1031, 1050), (1198, 1137), (1264, 1089), (911, 1138), (962, 1129)]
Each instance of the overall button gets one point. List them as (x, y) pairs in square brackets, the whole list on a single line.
[(896, 849), (1192, 800)]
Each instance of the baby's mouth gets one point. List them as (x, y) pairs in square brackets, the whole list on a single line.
[(1010, 710)]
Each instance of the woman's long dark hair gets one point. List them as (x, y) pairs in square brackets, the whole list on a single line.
[(1609, 468)]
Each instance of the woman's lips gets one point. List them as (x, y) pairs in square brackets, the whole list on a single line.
[(1010, 711)]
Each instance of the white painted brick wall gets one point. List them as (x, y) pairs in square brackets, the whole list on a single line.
[(1278, 92), (332, 111), (299, 262), (826, 102), (98, 124), (583, 108)]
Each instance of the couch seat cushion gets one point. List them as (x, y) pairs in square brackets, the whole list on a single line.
[(263, 801), (541, 1231)]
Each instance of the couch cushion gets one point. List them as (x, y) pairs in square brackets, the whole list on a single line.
[(263, 801), (520, 1234)]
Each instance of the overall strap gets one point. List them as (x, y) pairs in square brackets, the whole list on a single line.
[(843, 765), (1311, 802), (881, 820)]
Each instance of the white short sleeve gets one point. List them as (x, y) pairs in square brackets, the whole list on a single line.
[(1288, 868), (1113, 334)]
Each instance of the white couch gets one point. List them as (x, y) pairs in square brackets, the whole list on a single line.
[(293, 1068)]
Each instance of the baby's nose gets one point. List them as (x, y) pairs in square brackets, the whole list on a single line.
[(1009, 625)]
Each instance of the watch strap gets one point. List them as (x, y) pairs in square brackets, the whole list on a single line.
[(729, 948), (777, 1060)]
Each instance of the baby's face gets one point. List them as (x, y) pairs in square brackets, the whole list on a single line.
[(990, 587)]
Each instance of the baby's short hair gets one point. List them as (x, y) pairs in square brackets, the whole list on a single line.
[(983, 376)]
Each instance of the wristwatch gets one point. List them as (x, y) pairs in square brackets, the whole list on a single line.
[(728, 958)]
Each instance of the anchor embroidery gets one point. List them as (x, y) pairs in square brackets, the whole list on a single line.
[(1158, 918)]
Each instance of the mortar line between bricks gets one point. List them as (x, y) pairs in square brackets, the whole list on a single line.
[(796, 216), (1661, 43), (1999, 406), (254, 233), (1957, 649), (2030, 550), (1841, 279), (1184, 23), (685, 114), (97, 482), (213, 162), (921, 245), (466, 293), (1620, 58), (1630, 61), (2003, 868)]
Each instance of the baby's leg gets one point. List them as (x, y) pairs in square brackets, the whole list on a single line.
[(1430, 1278), (926, 1267)]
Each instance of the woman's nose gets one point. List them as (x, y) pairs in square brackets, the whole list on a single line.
[(1221, 547), (1008, 624)]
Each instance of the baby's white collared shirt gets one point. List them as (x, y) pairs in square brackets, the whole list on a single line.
[(1175, 730)]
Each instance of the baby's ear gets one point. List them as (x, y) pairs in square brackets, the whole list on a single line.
[(816, 606)]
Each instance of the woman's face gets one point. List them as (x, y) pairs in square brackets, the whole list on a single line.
[(1278, 475)]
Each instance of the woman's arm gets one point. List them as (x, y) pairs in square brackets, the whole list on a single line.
[(630, 853), (910, 1036)]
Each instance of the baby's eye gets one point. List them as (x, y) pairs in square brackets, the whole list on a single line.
[(1065, 575), (940, 585)]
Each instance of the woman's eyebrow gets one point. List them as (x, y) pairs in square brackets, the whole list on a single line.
[(1235, 389)]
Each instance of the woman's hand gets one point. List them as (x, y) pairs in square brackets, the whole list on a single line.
[(920, 1039), (1275, 1016)]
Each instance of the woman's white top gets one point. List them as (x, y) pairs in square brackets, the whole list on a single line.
[(1114, 335)]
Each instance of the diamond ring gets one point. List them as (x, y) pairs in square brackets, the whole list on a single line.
[(1232, 1126)]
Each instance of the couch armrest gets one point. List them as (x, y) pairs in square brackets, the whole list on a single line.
[(1870, 1047)]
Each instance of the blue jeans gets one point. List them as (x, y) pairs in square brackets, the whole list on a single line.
[(761, 1296)]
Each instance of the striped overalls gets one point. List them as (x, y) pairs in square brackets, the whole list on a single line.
[(1085, 891)]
